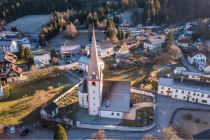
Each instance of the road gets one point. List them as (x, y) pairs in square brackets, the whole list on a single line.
[(165, 106)]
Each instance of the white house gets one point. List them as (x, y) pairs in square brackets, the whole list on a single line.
[(154, 42), (197, 57), (184, 43), (7, 45), (105, 48), (41, 58), (207, 69), (178, 70), (109, 99), (185, 89), (70, 50), (84, 63)]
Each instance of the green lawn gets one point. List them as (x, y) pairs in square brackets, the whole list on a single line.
[(22, 106)]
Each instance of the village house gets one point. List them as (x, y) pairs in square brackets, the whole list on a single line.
[(105, 48), (109, 99), (8, 68), (154, 42), (84, 63), (7, 45), (42, 58), (20, 38), (185, 89), (70, 50), (197, 57), (184, 43)]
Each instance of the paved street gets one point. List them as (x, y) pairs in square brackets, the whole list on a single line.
[(165, 107)]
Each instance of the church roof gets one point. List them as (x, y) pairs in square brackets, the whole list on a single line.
[(116, 96), (94, 63)]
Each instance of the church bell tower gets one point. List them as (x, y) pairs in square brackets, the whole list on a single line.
[(94, 80)]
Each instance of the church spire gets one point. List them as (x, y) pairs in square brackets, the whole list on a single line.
[(94, 68)]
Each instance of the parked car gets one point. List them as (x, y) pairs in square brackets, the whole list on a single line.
[(24, 132), (12, 129)]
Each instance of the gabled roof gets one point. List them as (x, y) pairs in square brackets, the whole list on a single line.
[(9, 57), (5, 42), (193, 52), (116, 96)]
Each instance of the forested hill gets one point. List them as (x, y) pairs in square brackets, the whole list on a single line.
[(158, 11), (12, 9)]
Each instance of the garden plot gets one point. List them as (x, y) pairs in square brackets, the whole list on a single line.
[(30, 23)]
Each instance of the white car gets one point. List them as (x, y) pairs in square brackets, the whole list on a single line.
[(12, 129)]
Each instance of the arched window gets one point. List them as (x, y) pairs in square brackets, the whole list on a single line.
[(93, 83)]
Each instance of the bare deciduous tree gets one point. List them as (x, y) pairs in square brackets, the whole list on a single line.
[(99, 135), (71, 31)]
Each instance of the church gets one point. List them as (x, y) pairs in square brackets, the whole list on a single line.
[(103, 98)]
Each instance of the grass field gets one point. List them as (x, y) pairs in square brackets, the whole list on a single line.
[(26, 98), (135, 74)]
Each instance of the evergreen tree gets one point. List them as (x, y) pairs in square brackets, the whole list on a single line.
[(28, 53), (22, 52), (60, 133)]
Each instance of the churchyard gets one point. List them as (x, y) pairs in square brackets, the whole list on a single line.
[(26, 97), (68, 106)]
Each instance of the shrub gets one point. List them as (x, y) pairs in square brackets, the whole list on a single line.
[(188, 116), (197, 120), (60, 133)]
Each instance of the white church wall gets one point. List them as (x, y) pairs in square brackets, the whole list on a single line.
[(83, 100), (94, 97), (111, 114)]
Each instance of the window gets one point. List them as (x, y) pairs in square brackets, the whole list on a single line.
[(93, 83), (208, 96), (94, 76), (93, 91), (93, 98), (182, 91), (94, 104), (118, 114), (168, 88), (112, 113), (194, 94), (162, 87), (189, 93), (175, 96), (161, 92), (202, 95), (204, 101), (184, 97), (198, 94), (193, 99), (176, 90)]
